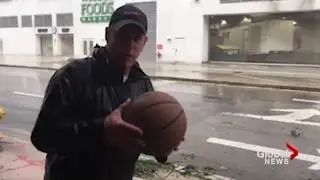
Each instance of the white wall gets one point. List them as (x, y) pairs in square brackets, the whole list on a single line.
[(18, 41), (182, 19), (23, 40)]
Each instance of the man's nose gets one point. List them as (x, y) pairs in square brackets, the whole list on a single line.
[(133, 47)]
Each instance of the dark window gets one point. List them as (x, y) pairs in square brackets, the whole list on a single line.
[(43, 20), (26, 21), (65, 19), (8, 21)]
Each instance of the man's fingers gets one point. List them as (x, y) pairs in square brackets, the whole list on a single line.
[(124, 104), (133, 145), (134, 137), (132, 130)]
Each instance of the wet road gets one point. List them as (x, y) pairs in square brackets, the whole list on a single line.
[(227, 125)]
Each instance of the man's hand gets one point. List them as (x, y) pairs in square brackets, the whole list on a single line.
[(162, 159), (121, 134)]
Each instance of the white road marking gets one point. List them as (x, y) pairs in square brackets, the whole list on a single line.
[(143, 157), (253, 77), (21, 141), (296, 114), (306, 100), (15, 130), (137, 178), (218, 177), (15, 139), (28, 94), (294, 117), (257, 148)]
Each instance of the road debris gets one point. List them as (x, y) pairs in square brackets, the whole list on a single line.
[(296, 132), (2, 113)]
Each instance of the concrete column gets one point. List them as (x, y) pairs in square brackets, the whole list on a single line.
[(56, 40), (205, 37)]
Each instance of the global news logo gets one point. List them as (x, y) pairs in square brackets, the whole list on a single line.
[(279, 157)]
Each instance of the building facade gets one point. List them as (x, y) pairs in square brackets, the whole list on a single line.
[(181, 30), (188, 29), (63, 27)]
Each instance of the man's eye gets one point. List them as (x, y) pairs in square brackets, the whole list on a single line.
[(137, 37)]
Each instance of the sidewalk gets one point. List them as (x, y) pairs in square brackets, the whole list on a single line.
[(19, 160), (283, 76)]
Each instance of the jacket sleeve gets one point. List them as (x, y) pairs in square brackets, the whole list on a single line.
[(149, 85), (57, 128)]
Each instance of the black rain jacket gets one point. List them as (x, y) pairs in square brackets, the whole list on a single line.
[(69, 127)]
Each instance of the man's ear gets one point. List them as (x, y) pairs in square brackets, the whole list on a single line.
[(106, 34), (145, 40)]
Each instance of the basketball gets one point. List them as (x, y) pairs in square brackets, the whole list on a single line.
[(162, 120)]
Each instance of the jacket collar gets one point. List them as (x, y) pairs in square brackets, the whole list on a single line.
[(109, 74)]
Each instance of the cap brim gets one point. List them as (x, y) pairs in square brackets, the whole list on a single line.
[(123, 23)]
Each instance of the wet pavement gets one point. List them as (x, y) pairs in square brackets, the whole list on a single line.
[(240, 121), (281, 76)]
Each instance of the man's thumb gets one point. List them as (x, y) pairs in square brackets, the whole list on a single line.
[(124, 104)]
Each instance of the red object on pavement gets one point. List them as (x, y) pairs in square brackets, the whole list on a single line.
[(159, 46)]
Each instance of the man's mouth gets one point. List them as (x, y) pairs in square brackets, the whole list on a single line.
[(129, 56)]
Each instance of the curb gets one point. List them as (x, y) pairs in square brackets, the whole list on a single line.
[(208, 81), (265, 64), (235, 83), (28, 67)]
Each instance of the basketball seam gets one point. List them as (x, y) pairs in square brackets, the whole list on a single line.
[(155, 137), (172, 121), (151, 105)]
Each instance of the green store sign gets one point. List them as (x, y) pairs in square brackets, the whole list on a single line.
[(96, 11)]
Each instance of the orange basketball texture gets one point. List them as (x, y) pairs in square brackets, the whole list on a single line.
[(162, 119)]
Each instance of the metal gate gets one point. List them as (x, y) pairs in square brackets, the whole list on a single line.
[(150, 9), (67, 44), (1, 46), (87, 45), (46, 45)]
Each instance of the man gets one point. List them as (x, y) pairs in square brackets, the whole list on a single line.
[(79, 125)]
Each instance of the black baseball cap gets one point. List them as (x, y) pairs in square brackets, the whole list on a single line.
[(128, 14)]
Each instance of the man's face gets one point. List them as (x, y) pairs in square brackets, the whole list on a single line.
[(126, 44)]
